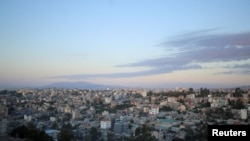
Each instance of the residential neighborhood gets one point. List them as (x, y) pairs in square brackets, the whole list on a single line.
[(122, 114)]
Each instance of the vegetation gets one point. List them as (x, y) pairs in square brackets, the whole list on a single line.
[(66, 133), (204, 104), (137, 95), (94, 133), (165, 108), (219, 113), (30, 132), (238, 104), (238, 92), (203, 92), (143, 134)]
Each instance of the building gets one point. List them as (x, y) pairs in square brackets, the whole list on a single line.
[(182, 107), (105, 113), (27, 117), (75, 114), (3, 126), (3, 111), (52, 119), (243, 113), (108, 100), (105, 123), (144, 93), (121, 127), (154, 110)]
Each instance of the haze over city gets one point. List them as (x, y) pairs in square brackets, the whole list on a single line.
[(141, 43)]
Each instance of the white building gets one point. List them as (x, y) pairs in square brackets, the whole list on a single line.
[(52, 119), (172, 99), (75, 114), (105, 113), (191, 96), (182, 107), (67, 109), (108, 100), (154, 110), (105, 124), (117, 96), (163, 102), (144, 93), (243, 113), (27, 118)]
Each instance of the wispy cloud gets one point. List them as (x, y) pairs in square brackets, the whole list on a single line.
[(238, 68), (192, 49), (151, 71)]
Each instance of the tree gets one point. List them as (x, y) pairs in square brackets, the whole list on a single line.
[(190, 90), (238, 92), (66, 133), (181, 101), (130, 126), (205, 104), (238, 104), (204, 92), (150, 93), (143, 134), (94, 133), (228, 114), (30, 132), (111, 136), (166, 108), (11, 110)]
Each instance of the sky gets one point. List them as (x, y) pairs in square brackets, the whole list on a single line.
[(139, 43)]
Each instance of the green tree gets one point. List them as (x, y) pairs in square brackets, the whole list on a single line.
[(181, 101), (204, 92), (165, 108), (130, 126), (238, 92), (190, 91), (143, 134), (66, 133), (150, 93), (94, 133), (238, 104), (30, 132), (111, 136)]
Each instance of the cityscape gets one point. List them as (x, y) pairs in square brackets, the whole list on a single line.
[(124, 70), (120, 114)]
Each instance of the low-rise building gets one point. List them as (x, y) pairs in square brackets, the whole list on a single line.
[(105, 123)]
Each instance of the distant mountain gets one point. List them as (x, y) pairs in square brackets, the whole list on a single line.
[(245, 87), (78, 85)]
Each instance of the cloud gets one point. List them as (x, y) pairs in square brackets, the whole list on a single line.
[(153, 71), (213, 47), (200, 48), (237, 69), (203, 39), (191, 50)]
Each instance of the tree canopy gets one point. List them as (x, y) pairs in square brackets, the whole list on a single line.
[(30, 132)]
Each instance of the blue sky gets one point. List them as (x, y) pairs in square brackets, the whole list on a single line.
[(125, 42)]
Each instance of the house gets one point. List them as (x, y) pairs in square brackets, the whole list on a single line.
[(105, 123), (121, 127), (154, 110)]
